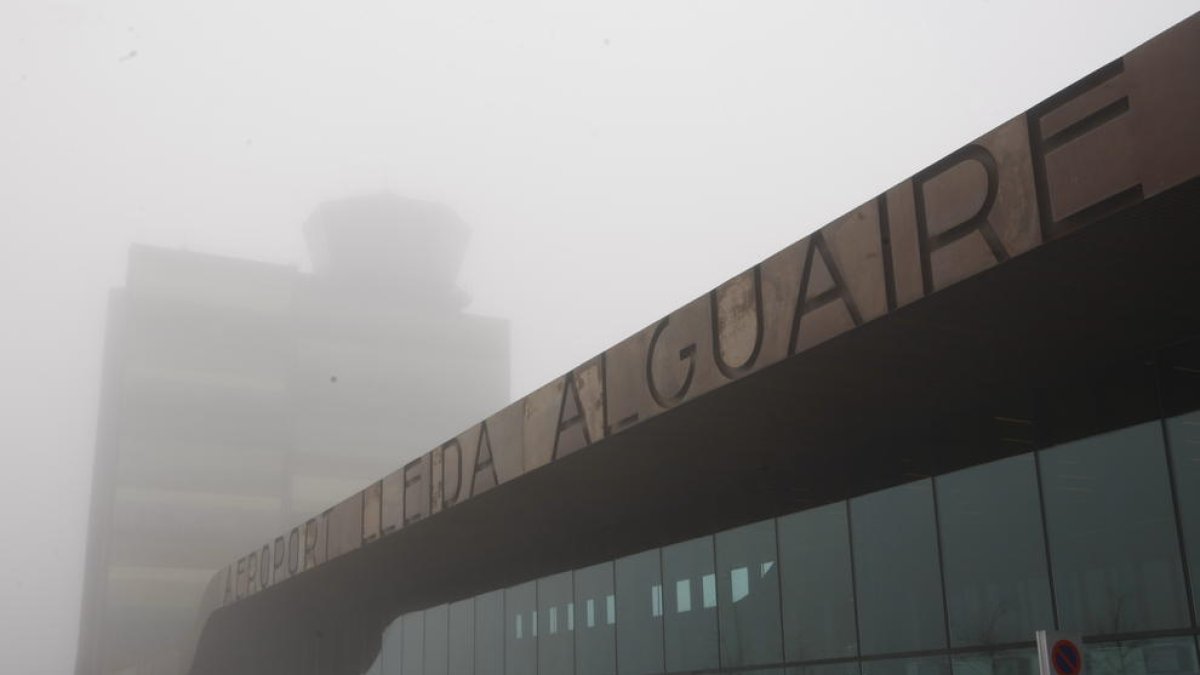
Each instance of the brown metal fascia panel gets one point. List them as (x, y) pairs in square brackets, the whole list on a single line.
[(1106, 143)]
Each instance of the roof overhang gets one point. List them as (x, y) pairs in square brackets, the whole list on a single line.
[(897, 338)]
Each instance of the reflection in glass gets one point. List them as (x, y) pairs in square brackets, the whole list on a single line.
[(595, 648), (749, 603), (391, 647), (993, 553), (520, 639), (1183, 436), (1110, 526), (436, 639), (683, 596), (690, 637), (556, 630), (818, 592), (461, 655), (1165, 656), (1010, 662), (896, 569), (924, 665), (489, 633), (413, 656), (1110, 523), (844, 668), (639, 630)]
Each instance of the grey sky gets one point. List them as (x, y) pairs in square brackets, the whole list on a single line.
[(614, 160)]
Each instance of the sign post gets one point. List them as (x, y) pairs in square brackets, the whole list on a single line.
[(1059, 653)]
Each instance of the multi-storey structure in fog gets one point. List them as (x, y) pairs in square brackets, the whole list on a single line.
[(965, 411), (240, 397)]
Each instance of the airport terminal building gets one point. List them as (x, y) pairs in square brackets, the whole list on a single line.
[(967, 410)]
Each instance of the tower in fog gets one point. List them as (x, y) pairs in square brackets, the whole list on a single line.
[(241, 397)]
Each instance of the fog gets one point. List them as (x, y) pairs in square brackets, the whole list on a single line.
[(611, 159)]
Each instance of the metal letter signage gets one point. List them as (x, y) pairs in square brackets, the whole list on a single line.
[(1120, 135)]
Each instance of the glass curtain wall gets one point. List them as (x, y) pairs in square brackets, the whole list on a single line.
[(949, 575)]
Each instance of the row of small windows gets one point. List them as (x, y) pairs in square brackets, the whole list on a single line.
[(739, 583), (1082, 536), (520, 620)]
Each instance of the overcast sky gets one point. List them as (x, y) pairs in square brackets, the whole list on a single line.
[(614, 160)]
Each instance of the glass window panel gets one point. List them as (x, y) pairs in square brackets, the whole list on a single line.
[(1183, 435), (818, 590), (846, 668), (924, 665), (1179, 378), (993, 553), (683, 595), (413, 652), (690, 638), (749, 603), (556, 644), (639, 631), (489, 633), (374, 669), (739, 580), (461, 655), (520, 640), (392, 644), (437, 624), (1164, 656), (896, 571), (595, 649), (1113, 544), (1010, 662)]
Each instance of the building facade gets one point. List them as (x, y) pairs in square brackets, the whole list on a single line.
[(952, 573), (960, 413), (238, 397)]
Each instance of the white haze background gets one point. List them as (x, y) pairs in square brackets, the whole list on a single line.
[(614, 160)]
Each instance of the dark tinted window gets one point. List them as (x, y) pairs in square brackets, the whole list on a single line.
[(392, 646), (461, 656), (413, 651), (436, 639), (595, 621), (690, 605), (1012, 662), (924, 665), (847, 668), (521, 629), (993, 553), (1113, 544), (556, 625), (748, 595), (639, 614), (489, 633), (817, 587), (1183, 436), (1161, 656), (896, 571)]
